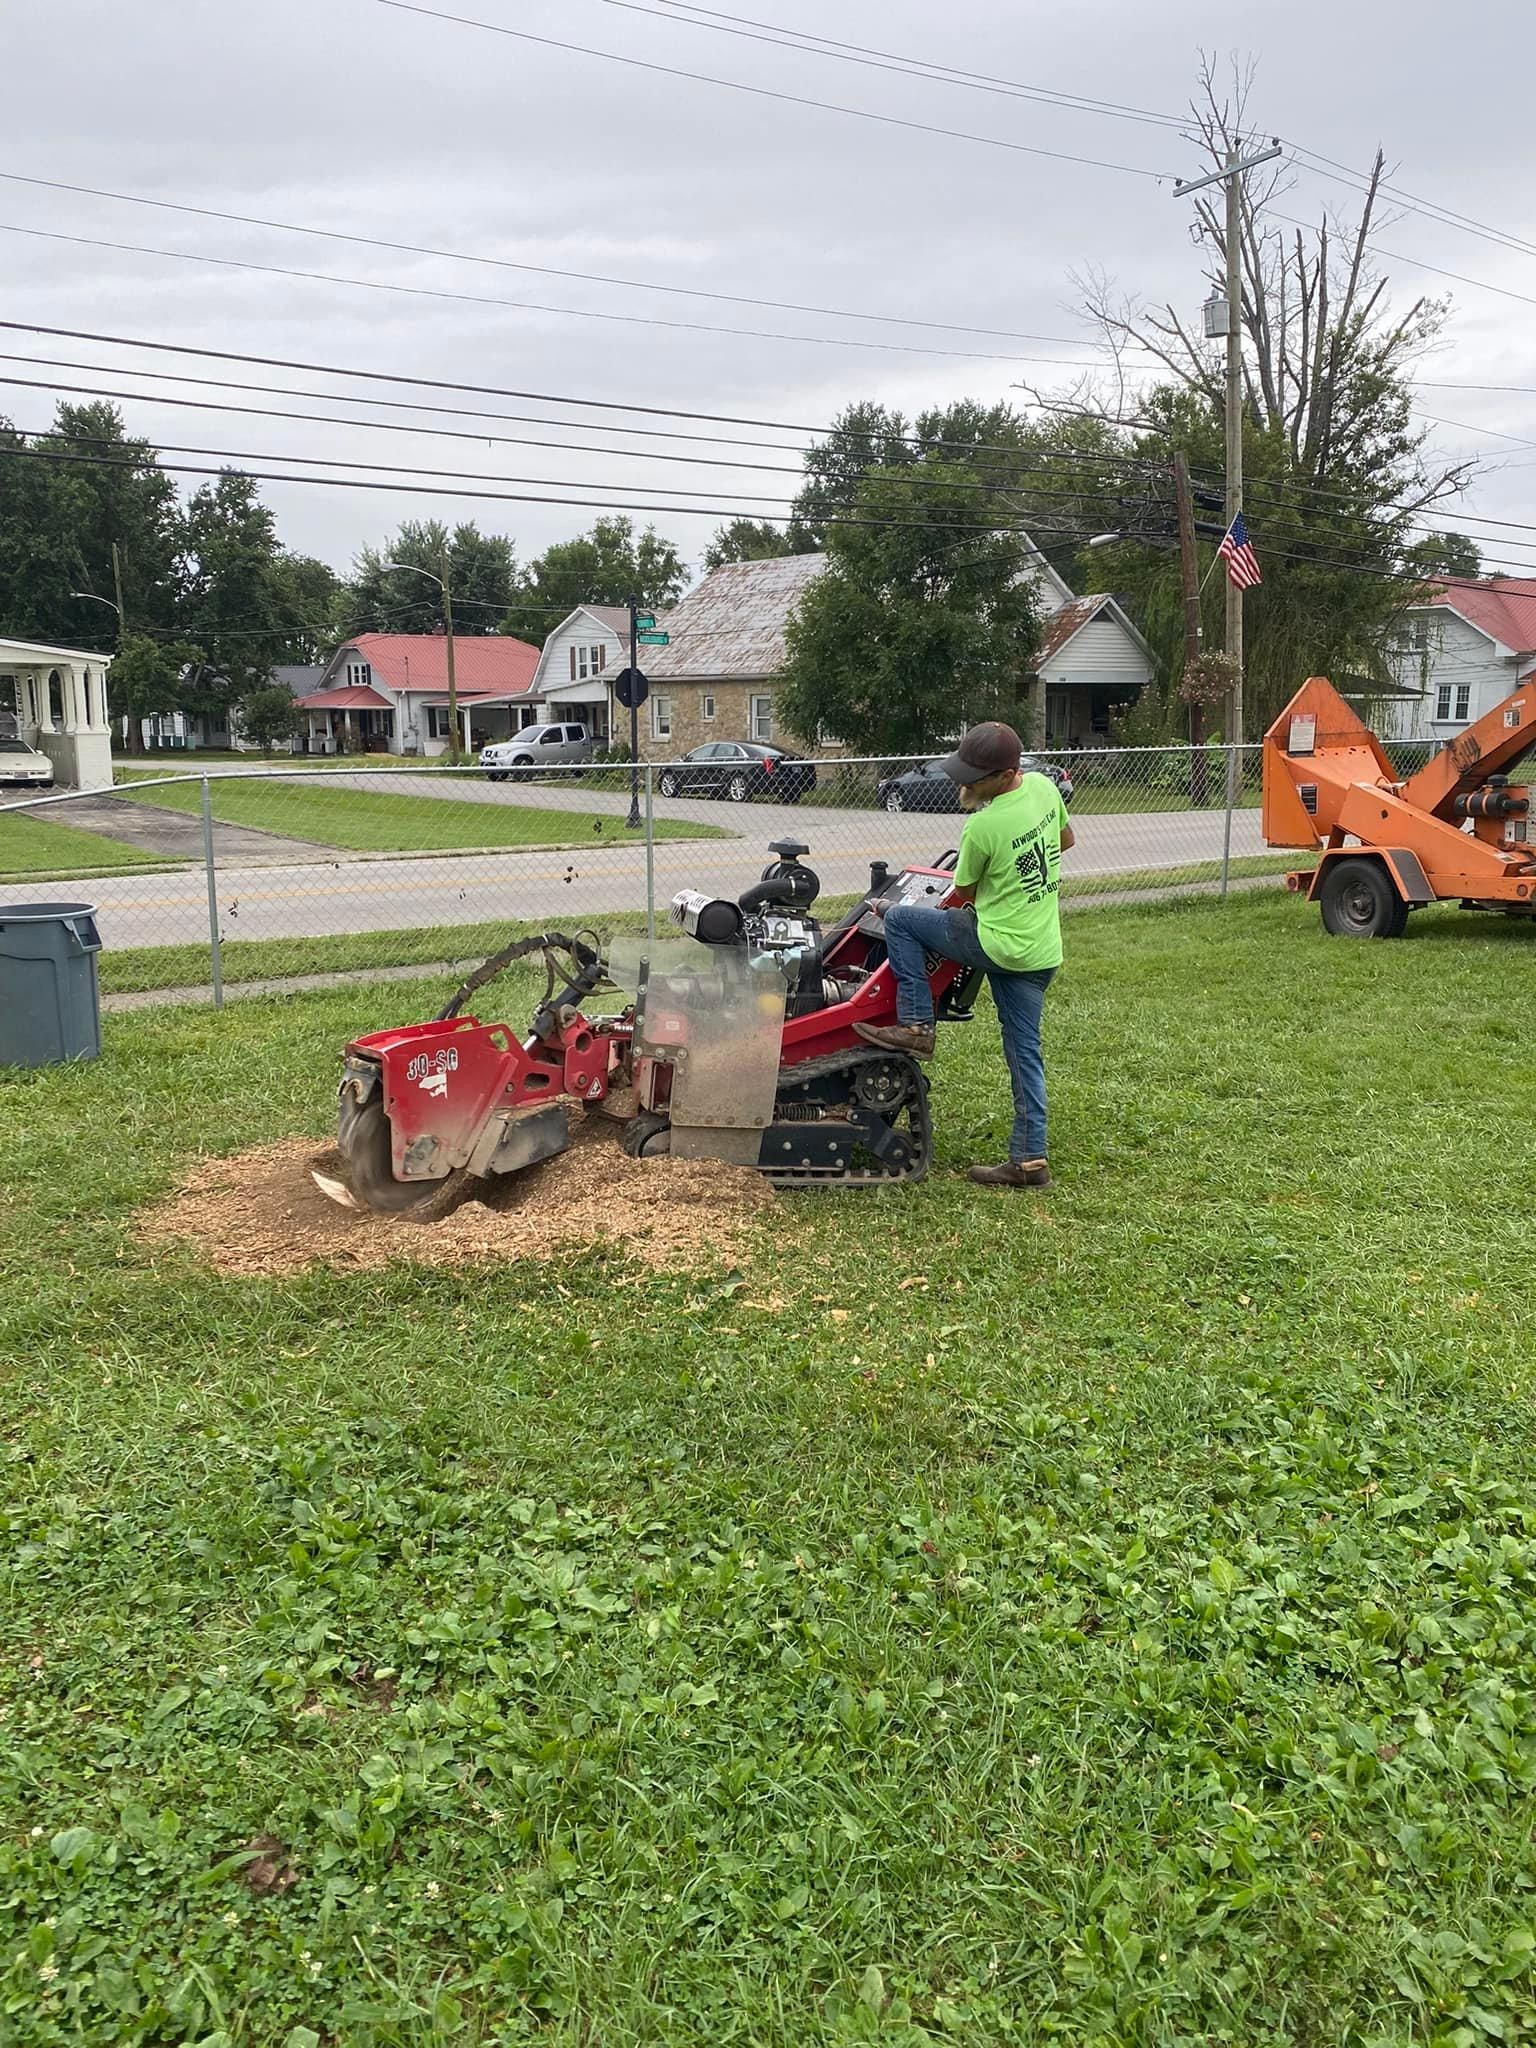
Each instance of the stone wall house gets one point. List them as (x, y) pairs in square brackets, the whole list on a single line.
[(717, 677)]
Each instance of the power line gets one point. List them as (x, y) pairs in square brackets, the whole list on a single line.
[(1404, 579), (887, 60), (1427, 209), (768, 93), (493, 390), (916, 478), (289, 227), (421, 291)]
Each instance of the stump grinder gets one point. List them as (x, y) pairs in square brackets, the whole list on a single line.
[(729, 1036)]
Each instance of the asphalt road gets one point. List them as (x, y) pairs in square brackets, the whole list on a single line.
[(326, 896)]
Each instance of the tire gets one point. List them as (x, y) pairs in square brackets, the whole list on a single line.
[(668, 785), (738, 789), (495, 775), (1358, 901), (894, 801), (647, 1136), (363, 1137)]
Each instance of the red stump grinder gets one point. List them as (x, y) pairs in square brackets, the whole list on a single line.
[(731, 1037)]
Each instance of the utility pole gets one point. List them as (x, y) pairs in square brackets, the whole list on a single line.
[(1189, 571), (1231, 176), (117, 585), (457, 742), (1235, 431), (633, 819)]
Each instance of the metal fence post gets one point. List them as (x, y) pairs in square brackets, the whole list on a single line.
[(1233, 771), (650, 851), (214, 952)]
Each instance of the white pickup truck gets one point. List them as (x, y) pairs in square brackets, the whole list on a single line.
[(536, 747)]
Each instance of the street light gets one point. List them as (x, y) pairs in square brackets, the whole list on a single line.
[(415, 569), (91, 596)]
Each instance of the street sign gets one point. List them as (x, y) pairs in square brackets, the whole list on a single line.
[(651, 638), (645, 621), (631, 687)]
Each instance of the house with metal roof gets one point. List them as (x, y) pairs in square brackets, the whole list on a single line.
[(1459, 653), (717, 677), (387, 693)]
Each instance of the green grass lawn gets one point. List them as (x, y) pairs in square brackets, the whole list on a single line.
[(1118, 1627), (389, 821), (35, 845)]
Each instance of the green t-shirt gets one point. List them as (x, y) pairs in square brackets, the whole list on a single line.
[(1010, 854)]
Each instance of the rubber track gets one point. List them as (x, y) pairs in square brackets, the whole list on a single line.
[(921, 1120)]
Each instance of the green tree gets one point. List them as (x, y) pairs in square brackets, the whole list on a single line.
[(239, 597), (606, 566), (921, 623), (269, 714), (64, 500), (1445, 554), (746, 540), (148, 675), (480, 569)]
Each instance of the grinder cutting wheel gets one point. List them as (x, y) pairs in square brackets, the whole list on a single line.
[(733, 1036)]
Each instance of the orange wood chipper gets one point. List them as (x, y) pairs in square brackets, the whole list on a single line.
[(1457, 832)]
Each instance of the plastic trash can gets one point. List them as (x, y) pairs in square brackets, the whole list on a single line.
[(50, 1009)]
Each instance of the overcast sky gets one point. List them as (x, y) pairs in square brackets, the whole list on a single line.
[(354, 116)]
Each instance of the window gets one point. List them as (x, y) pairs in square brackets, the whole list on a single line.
[(438, 727), (588, 661), (359, 675), (762, 719), (1453, 701), (707, 704), (661, 718)]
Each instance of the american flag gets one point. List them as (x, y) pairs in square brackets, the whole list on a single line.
[(1236, 551)]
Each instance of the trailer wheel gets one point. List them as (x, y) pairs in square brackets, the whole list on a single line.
[(1359, 902)]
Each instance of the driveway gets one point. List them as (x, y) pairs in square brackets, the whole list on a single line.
[(172, 835)]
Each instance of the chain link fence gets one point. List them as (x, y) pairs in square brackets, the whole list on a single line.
[(269, 875)]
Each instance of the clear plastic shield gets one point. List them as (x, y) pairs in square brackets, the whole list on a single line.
[(716, 1013)]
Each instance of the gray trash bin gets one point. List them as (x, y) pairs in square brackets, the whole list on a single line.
[(49, 1007)]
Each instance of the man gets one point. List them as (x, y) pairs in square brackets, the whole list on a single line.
[(1007, 881)]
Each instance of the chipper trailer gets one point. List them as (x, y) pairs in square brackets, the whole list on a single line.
[(1459, 831), (731, 1037)]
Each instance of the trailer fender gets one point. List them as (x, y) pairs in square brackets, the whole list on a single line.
[(1403, 866)]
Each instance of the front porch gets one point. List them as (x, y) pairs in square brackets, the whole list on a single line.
[(57, 697)]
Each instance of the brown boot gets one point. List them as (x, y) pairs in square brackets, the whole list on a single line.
[(913, 1039), (1013, 1173)]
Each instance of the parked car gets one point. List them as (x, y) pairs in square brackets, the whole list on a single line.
[(535, 747), (23, 767), (738, 769), (926, 787)]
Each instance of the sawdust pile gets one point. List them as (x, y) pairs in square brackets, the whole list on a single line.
[(260, 1213)]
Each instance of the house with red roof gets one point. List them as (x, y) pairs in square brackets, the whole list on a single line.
[(387, 693), (1462, 650)]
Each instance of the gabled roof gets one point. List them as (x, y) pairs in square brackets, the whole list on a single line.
[(350, 697), (614, 616), (733, 624), (485, 664), (1503, 607), (1066, 624)]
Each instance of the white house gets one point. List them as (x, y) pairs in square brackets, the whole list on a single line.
[(590, 645), (1466, 647), (58, 699), (387, 693)]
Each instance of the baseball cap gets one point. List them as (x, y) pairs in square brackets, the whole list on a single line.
[(989, 749)]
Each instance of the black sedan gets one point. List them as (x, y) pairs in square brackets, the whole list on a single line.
[(737, 770), (926, 787)]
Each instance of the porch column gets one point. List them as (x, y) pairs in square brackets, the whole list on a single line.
[(42, 698)]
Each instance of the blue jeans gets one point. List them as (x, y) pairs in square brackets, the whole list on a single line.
[(911, 931)]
